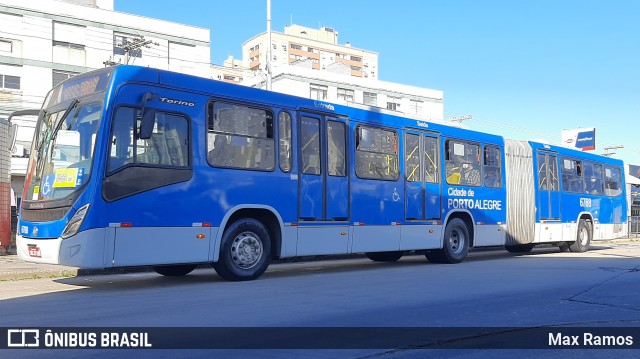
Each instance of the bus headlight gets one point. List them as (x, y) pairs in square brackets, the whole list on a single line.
[(74, 223)]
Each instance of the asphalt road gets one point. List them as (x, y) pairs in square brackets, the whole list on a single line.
[(491, 289)]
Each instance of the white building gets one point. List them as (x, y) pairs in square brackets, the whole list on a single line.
[(407, 100), (47, 41)]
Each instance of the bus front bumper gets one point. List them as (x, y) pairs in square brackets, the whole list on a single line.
[(83, 250)]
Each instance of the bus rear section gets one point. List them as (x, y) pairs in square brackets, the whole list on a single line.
[(561, 196)]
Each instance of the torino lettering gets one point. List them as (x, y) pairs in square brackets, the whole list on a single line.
[(466, 203), (177, 102)]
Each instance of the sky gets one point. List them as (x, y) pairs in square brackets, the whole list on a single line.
[(522, 69)]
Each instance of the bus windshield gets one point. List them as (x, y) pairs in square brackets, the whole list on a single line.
[(62, 151)]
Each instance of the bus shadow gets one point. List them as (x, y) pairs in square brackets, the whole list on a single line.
[(144, 277)]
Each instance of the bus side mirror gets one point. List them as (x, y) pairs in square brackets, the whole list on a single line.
[(148, 118), (147, 124)]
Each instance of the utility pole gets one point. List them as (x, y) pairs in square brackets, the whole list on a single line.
[(268, 62), (134, 45), (611, 148)]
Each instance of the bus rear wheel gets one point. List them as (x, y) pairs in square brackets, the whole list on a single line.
[(175, 270), (455, 246), (245, 251), (384, 256), (583, 238)]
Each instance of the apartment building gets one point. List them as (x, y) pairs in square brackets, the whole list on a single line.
[(311, 63), (310, 48)]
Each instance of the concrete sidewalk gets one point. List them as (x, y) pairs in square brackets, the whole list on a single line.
[(13, 268)]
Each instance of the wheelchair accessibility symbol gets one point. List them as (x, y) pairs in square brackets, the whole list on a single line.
[(395, 197), (47, 184)]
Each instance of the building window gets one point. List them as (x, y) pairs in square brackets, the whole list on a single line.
[(356, 58), (10, 82), (345, 94), (296, 47), (318, 92), (393, 103), (59, 76), (6, 46), (370, 99), (416, 107), (68, 33)]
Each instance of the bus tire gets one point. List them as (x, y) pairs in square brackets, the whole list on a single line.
[(583, 237), (521, 248), (245, 251), (392, 256), (455, 246), (178, 270)]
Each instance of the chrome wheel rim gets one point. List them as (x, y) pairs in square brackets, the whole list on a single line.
[(583, 236), (246, 250)]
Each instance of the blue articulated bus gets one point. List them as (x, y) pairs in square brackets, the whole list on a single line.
[(136, 166)]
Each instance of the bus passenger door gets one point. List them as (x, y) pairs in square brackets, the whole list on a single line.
[(548, 186), (323, 205), (413, 186), (433, 196), (336, 180), (311, 198), (422, 182)]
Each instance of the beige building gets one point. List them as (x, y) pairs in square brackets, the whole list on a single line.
[(310, 48), (231, 71)]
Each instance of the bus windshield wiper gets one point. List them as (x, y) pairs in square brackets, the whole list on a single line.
[(73, 104)]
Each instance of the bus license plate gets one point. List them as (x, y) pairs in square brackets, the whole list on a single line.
[(35, 252)]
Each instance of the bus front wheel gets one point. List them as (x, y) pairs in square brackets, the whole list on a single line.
[(455, 246), (245, 251), (583, 237)]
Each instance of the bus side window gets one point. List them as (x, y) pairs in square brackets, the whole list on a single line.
[(167, 146), (492, 168), (572, 176), (543, 181), (612, 181)]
